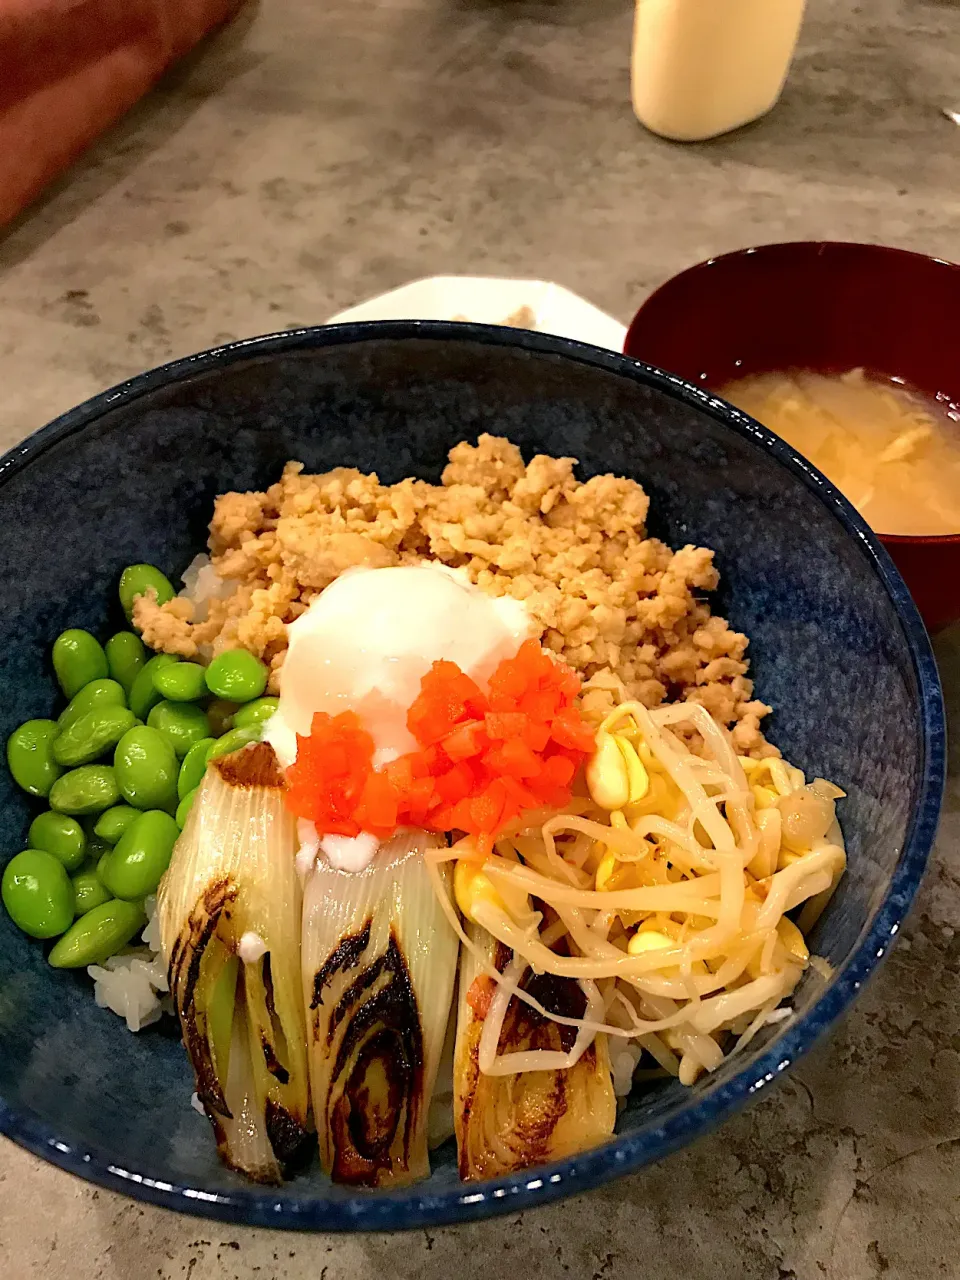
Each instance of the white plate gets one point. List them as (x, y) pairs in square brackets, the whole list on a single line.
[(490, 300)]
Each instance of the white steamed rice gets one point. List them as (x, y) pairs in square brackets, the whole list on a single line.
[(133, 984), (202, 583)]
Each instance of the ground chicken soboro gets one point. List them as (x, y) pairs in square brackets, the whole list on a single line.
[(621, 608)]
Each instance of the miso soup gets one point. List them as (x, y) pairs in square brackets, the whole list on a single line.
[(893, 453)]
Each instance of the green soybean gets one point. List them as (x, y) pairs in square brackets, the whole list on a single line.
[(98, 934), (194, 766), (30, 756), (182, 723), (89, 789), (237, 675), (184, 807), (232, 741), (112, 823), (142, 854), (183, 682), (78, 658), (146, 769), (60, 835), (144, 694), (98, 693), (137, 579), (37, 893), (255, 713), (126, 657), (90, 735), (88, 892)]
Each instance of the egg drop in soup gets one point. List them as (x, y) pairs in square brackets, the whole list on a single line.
[(893, 453)]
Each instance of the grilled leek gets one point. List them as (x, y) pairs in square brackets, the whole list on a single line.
[(512, 1121), (379, 963), (230, 910)]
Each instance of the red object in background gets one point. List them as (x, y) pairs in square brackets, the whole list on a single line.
[(71, 68), (826, 307)]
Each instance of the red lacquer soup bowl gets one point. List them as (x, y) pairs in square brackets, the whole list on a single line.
[(827, 307)]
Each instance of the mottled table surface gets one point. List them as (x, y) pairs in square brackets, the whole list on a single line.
[(322, 151)]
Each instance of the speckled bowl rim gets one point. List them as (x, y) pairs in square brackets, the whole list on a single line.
[(418, 1207)]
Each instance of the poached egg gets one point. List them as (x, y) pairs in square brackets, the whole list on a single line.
[(365, 643)]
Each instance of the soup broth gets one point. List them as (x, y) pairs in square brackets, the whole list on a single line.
[(894, 454)]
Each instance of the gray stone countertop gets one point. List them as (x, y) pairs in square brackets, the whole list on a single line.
[(316, 154)]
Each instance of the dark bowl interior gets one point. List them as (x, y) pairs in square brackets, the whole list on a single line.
[(826, 307), (836, 644)]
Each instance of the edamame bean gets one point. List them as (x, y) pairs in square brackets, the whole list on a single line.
[(142, 854), (78, 658), (98, 693), (183, 682), (126, 657), (182, 723), (144, 693), (37, 893), (237, 675), (30, 756), (91, 735), (98, 934), (146, 769), (255, 713), (60, 835), (184, 807), (89, 789), (232, 741), (140, 578), (194, 766), (88, 892), (112, 823)]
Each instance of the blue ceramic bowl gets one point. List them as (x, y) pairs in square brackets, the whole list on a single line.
[(837, 648)]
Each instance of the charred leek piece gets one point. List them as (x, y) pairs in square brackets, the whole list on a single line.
[(379, 963), (509, 1122), (240, 1006)]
